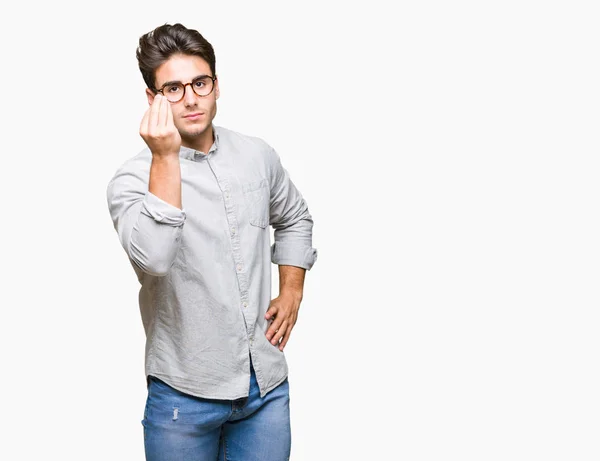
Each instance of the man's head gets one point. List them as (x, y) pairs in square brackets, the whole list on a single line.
[(171, 54)]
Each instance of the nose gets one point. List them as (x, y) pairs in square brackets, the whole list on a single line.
[(189, 97)]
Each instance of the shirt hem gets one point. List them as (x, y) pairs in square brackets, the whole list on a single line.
[(277, 383), (181, 388)]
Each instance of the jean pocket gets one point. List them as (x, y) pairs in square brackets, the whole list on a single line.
[(257, 197)]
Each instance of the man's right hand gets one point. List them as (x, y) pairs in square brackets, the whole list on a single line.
[(158, 129)]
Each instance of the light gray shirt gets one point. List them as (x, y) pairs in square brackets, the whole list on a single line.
[(205, 270)]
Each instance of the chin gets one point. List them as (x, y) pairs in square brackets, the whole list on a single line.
[(191, 133)]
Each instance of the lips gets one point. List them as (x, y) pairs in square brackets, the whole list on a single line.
[(195, 114)]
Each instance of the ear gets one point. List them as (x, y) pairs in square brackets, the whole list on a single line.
[(217, 93), (150, 95)]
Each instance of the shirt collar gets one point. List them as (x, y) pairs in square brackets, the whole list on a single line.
[(196, 155)]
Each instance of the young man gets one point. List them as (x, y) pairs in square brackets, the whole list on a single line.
[(192, 211)]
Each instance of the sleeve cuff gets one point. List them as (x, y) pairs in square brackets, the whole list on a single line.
[(161, 211), (284, 254)]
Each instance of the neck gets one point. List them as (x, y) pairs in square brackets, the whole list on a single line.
[(202, 142)]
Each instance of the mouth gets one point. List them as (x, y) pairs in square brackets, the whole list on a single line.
[(194, 116)]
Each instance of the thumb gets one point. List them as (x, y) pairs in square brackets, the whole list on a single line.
[(271, 312)]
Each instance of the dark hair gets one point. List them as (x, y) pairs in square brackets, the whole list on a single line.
[(158, 45)]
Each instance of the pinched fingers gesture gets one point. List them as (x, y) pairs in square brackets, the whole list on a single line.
[(158, 128)]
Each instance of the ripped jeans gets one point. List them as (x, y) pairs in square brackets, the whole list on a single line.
[(182, 427)]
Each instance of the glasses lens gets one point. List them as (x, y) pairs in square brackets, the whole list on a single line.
[(173, 92), (202, 86)]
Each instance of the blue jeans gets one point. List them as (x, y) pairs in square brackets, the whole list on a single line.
[(182, 427)]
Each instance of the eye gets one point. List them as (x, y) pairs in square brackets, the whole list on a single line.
[(172, 89), (199, 83)]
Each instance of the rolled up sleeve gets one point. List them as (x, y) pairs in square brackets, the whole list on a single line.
[(290, 218), (149, 228)]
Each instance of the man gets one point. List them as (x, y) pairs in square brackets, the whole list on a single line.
[(192, 211)]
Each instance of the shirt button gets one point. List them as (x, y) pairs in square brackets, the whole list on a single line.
[(239, 267), (245, 304), (233, 230), (227, 195)]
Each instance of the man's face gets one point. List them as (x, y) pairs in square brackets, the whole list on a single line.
[(184, 68)]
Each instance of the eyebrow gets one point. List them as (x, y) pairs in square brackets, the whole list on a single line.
[(173, 82)]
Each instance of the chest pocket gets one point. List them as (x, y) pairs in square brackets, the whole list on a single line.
[(257, 197)]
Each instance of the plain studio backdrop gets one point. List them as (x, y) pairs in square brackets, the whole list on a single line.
[(448, 152)]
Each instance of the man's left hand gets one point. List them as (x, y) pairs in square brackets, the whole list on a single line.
[(284, 309)]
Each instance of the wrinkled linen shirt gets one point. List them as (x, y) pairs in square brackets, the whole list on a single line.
[(205, 270)]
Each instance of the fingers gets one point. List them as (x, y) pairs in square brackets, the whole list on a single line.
[(279, 332), (286, 337), (169, 122), (154, 113), (272, 310), (271, 314), (273, 328), (163, 113), (158, 128), (144, 124), (283, 320)]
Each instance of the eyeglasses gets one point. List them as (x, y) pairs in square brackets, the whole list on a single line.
[(175, 91)]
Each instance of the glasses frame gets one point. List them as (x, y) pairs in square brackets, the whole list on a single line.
[(161, 89)]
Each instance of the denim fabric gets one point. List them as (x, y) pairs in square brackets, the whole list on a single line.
[(182, 427)]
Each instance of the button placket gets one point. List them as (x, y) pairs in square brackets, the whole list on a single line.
[(236, 248)]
